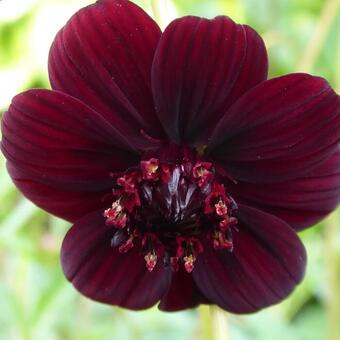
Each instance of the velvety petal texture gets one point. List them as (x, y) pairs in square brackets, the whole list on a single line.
[(279, 130), (267, 263), (200, 68), (178, 145), (101, 273), (103, 56), (65, 204), (300, 202), (60, 152), (182, 294)]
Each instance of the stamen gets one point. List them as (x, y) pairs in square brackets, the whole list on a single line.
[(129, 181), (221, 208), (115, 216), (201, 150), (220, 242), (167, 209), (201, 172), (189, 263), (149, 169), (151, 261), (227, 223), (125, 247), (218, 195)]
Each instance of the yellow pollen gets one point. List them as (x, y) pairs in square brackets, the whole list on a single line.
[(121, 215), (117, 206), (151, 260), (201, 149), (152, 168), (189, 263), (200, 171)]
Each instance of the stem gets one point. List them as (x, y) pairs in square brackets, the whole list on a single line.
[(164, 11), (206, 324), (333, 273), (214, 324), (220, 324), (327, 18), (156, 10)]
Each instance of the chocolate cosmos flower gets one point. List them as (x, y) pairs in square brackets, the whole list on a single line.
[(185, 172)]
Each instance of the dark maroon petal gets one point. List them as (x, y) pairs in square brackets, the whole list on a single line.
[(267, 262), (200, 68), (65, 204), (101, 273), (103, 56), (182, 294), (279, 130), (300, 202), (57, 146)]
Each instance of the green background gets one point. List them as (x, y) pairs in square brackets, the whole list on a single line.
[(36, 301)]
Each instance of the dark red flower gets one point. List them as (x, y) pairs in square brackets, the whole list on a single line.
[(185, 172)]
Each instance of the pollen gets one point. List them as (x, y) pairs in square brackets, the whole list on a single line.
[(202, 173), (151, 261), (170, 211), (115, 215), (189, 263), (201, 150), (221, 208), (150, 168)]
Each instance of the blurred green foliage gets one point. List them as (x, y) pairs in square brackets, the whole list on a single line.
[(36, 300)]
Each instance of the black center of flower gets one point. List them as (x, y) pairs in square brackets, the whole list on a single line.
[(167, 207)]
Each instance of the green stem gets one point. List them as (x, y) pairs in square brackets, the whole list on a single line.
[(214, 323), (163, 11), (206, 324), (333, 279), (156, 11), (220, 324)]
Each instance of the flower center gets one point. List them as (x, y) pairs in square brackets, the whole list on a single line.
[(168, 207)]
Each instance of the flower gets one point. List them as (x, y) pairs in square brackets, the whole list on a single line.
[(185, 171)]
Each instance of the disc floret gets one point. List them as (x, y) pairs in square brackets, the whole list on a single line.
[(168, 208)]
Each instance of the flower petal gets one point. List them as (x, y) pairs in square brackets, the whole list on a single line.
[(103, 56), (267, 262), (57, 147), (67, 205), (279, 130), (200, 68), (182, 294), (101, 273), (301, 202)]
